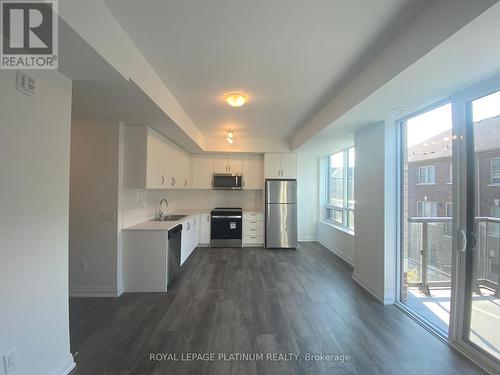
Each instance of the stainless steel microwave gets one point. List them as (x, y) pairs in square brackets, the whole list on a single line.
[(227, 181)]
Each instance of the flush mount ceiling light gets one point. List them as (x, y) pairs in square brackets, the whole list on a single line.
[(236, 99), (229, 136)]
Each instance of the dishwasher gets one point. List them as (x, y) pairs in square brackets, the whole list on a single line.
[(174, 251)]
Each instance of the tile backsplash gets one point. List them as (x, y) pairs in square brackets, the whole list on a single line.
[(140, 205)]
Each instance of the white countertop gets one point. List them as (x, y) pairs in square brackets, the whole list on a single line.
[(167, 225)]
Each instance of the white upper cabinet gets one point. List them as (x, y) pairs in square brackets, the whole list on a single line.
[(202, 171), (185, 177), (220, 164), (154, 162), (155, 153), (253, 172), (280, 166), (272, 165), (227, 164), (235, 164), (145, 151), (289, 166), (177, 167), (171, 167)]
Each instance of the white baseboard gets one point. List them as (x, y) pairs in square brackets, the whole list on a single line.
[(93, 291), (375, 294), (337, 253), (64, 366)]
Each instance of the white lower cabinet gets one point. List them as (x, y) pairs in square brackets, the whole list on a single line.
[(205, 229), (253, 229), (145, 261), (190, 236)]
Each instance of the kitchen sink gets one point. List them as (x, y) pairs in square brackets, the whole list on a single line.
[(170, 218)]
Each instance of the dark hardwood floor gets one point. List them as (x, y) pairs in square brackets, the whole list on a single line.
[(255, 301)]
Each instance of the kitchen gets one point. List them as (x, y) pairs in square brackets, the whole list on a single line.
[(160, 189)]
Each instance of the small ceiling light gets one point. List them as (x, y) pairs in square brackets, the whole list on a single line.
[(236, 99), (230, 136)]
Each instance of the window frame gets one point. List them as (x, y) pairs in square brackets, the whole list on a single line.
[(426, 168), (493, 172), (348, 206)]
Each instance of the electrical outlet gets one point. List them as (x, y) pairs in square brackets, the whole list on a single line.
[(9, 361), (83, 264)]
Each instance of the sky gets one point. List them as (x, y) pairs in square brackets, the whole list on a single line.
[(438, 120), (429, 124)]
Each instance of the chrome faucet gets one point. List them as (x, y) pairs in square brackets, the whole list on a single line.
[(161, 214)]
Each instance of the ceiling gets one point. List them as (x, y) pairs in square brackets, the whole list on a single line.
[(441, 73), (289, 57)]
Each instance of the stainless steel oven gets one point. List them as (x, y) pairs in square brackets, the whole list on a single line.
[(227, 181), (226, 227)]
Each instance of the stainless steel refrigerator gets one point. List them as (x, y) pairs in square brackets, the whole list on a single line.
[(281, 213)]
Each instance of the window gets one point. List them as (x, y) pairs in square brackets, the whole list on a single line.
[(426, 209), (426, 175), (495, 171), (340, 189)]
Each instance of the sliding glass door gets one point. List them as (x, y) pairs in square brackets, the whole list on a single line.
[(449, 236), (481, 250), (427, 196)]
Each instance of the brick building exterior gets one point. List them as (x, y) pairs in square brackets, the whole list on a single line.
[(429, 194)]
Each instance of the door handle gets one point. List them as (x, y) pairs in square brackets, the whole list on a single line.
[(463, 248), (473, 240)]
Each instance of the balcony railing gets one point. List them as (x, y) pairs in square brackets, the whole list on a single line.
[(428, 257)]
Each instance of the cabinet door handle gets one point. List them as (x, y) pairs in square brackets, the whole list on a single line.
[(208, 218), (162, 180), (188, 225), (185, 182), (172, 181)]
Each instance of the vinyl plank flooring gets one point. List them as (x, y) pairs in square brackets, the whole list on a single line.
[(255, 301)]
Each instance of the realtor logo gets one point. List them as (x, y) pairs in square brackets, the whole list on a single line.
[(30, 35)]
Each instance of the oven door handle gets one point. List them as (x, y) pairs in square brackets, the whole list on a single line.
[(226, 217)]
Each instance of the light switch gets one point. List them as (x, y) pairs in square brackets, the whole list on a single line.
[(83, 264)]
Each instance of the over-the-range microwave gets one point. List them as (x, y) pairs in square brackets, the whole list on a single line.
[(227, 181)]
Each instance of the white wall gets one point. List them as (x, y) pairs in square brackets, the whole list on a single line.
[(94, 187), (369, 194), (307, 196), (34, 170), (336, 240)]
